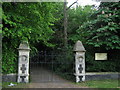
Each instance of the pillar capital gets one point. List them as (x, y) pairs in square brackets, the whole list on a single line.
[(79, 47)]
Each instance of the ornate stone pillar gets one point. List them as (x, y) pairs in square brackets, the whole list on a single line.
[(79, 61), (23, 63)]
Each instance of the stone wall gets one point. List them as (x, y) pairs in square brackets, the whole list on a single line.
[(90, 76), (102, 76), (9, 78)]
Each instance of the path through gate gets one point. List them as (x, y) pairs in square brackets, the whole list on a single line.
[(44, 67)]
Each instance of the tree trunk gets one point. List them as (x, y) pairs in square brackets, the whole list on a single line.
[(65, 24)]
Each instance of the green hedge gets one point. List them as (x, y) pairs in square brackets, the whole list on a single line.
[(109, 65)]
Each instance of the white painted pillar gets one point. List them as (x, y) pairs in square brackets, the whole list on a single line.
[(79, 61), (23, 63)]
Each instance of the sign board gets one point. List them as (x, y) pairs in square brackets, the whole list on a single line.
[(100, 56)]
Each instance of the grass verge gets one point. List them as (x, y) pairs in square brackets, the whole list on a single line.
[(17, 85), (101, 83)]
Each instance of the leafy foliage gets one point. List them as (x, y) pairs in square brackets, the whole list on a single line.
[(103, 29), (26, 21), (109, 65), (42, 25), (85, 25), (77, 16), (9, 61)]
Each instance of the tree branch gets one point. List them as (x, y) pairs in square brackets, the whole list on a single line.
[(72, 4)]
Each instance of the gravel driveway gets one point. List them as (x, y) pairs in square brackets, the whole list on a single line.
[(43, 78)]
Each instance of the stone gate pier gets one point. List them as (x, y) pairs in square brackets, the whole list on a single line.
[(23, 63), (79, 61)]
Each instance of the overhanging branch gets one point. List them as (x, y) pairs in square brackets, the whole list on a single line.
[(72, 4)]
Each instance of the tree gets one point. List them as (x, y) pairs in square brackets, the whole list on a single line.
[(25, 21), (75, 18), (66, 22), (65, 25), (103, 29), (78, 16)]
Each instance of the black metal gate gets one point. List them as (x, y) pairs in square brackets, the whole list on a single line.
[(49, 67)]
